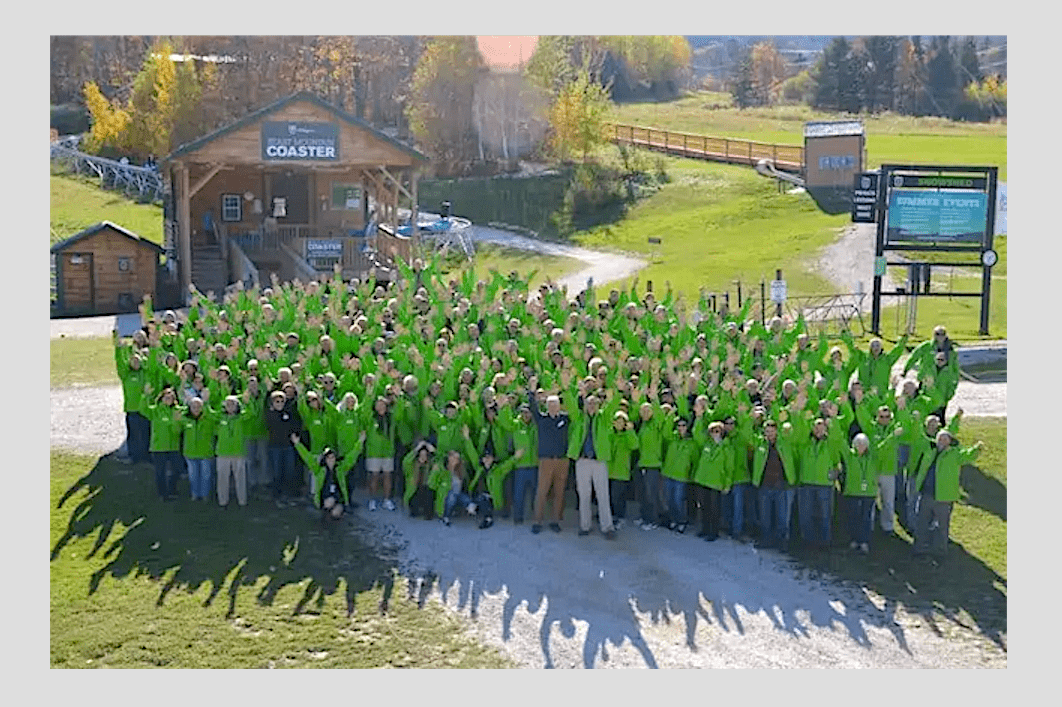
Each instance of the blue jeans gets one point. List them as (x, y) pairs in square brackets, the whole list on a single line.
[(814, 503), (200, 473), (675, 493), (860, 517), (524, 479), (650, 492), (776, 507), (138, 436), (282, 467), (903, 453), (734, 508), (167, 465), (617, 496), (452, 499)]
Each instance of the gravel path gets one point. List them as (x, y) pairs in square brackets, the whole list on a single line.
[(603, 267)]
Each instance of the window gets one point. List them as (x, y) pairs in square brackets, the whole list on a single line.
[(346, 196), (124, 264), (231, 207)]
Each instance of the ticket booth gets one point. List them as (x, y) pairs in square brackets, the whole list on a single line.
[(834, 152)]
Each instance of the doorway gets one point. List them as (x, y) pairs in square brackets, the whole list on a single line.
[(294, 189)]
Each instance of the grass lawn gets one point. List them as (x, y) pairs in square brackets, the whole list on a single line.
[(82, 362), (970, 587), (719, 223), (890, 138), (505, 260), (139, 583), (78, 203), (961, 315)]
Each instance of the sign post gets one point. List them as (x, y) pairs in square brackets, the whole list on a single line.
[(778, 292), (933, 209)]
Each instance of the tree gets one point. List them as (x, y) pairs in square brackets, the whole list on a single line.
[(880, 71), (942, 74), (768, 72), (744, 91), (443, 89), (578, 117), (969, 64), (110, 123), (831, 74)]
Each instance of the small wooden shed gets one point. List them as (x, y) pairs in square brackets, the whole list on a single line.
[(104, 269)]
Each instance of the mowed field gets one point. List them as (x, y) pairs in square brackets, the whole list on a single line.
[(891, 138), (77, 203)]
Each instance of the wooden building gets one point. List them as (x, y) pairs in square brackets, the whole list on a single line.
[(105, 269), (290, 189), (834, 153)]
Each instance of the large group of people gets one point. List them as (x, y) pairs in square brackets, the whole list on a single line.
[(446, 397)]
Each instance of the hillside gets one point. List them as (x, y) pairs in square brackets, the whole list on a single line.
[(77, 203)]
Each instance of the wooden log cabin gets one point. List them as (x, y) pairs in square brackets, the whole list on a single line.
[(291, 189), (105, 269)]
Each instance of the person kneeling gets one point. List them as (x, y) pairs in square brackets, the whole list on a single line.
[(419, 466), (458, 477), (330, 476)]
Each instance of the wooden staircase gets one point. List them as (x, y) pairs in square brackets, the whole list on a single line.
[(209, 270)]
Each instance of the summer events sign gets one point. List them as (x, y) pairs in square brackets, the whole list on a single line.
[(293, 140), (917, 215)]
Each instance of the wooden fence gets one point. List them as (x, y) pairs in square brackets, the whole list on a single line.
[(789, 158)]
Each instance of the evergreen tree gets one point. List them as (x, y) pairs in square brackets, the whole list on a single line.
[(943, 79)]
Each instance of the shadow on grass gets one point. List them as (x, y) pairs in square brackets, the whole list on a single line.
[(984, 491), (191, 543), (653, 579)]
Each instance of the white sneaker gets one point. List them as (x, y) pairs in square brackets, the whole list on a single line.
[(471, 509), (389, 504), (372, 504), (617, 523), (649, 526), (864, 548)]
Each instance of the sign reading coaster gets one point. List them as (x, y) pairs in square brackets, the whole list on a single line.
[(324, 248), (299, 141)]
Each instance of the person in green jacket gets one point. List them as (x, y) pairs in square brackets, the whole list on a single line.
[(165, 443), (774, 474), (651, 429), (417, 466), (677, 470), (230, 430), (861, 486), (816, 473), (257, 433), (198, 446), (937, 484), (590, 446), (624, 443), (712, 478), (131, 373), (331, 474), (380, 453), (524, 434)]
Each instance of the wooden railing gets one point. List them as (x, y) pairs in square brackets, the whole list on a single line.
[(144, 181), (789, 158)]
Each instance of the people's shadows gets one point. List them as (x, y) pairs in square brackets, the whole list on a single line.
[(983, 491), (185, 544), (960, 587)]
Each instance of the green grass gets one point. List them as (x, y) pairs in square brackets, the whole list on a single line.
[(505, 260), (82, 362), (961, 315), (719, 223), (139, 583), (77, 203), (891, 138), (969, 589)]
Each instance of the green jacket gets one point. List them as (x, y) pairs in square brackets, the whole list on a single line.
[(861, 470), (380, 436), (949, 464), (347, 426), (525, 437), (715, 468), (198, 434), (342, 468), (165, 426), (785, 452), (132, 381), (230, 431), (680, 457), (619, 462), (255, 426), (318, 423), (651, 440), (818, 457), (602, 429)]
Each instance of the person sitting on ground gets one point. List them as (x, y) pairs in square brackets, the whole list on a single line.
[(418, 467), (457, 493), (331, 487)]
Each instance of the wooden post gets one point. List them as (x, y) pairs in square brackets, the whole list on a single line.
[(415, 207), (184, 222)]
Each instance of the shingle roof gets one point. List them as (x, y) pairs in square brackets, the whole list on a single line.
[(93, 230), (277, 105), (831, 128)]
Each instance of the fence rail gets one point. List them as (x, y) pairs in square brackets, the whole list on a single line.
[(130, 179), (789, 158)]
